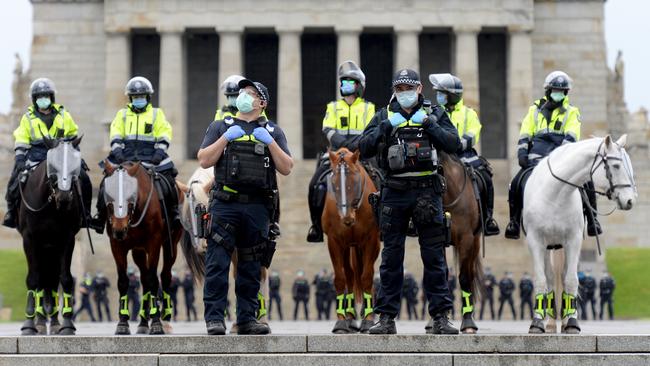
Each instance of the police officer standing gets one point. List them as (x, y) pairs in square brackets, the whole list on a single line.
[(410, 294), (133, 293), (100, 289), (526, 294), (241, 205), (506, 289), (343, 125), (405, 139), (274, 293), (85, 289), (489, 281), (587, 285), (173, 293), (300, 293), (188, 291), (322, 288), (607, 286)]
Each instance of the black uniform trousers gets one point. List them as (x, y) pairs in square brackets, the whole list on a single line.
[(250, 227), (398, 207)]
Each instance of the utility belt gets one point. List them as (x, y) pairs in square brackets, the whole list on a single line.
[(435, 181), (266, 199)]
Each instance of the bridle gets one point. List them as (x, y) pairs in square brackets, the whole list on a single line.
[(343, 170), (131, 208)]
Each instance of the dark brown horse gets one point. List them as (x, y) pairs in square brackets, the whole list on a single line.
[(352, 238), (466, 229), (137, 223)]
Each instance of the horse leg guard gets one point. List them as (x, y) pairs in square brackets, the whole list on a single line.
[(67, 327), (368, 311), (537, 325), (468, 326), (342, 326), (569, 314), (551, 312), (143, 327), (261, 310), (167, 307), (123, 323), (28, 327), (351, 313), (154, 314)]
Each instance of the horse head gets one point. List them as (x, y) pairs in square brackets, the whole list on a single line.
[(121, 196), (63, 168), (346, 183), (612, 172)]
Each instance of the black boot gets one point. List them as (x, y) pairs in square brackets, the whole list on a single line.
[(385, 325), (11, 218), (593, 226), (216, 327), (98, 222), (315, 234), (442, 325), (512, 230), (491, 227), (253, 327)]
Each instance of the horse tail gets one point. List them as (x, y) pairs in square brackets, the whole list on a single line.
[(356, 261), (195, 261)]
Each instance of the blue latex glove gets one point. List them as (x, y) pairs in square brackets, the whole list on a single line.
[(419, 117), (233, 133), (396, 119), (262, 134)]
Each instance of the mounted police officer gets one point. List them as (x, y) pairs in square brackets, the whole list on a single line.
[(245, 151), (43, 119), (405, 139), (230, 89), (141, 133), (344, 122), (551, 121), (449, 95)]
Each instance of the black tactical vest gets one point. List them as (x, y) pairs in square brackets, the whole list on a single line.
[(246, 166), (408, 149)]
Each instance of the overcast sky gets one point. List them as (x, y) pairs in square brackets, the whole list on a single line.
[(626, 26)]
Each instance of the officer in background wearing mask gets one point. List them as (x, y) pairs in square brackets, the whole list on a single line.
[(405, 139), (230, 88), (241, 205), (344, 122), (44, 118), (449, 95)]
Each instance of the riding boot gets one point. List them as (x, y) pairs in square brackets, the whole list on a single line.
[(593, 226), (491, 226), (11, 216), (512, 230), (86, 196), (12, 196), (316, 200)]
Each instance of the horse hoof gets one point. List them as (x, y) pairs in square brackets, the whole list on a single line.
[(67, 331), (365, 325), (468, 326), (341, 327), (571, 326), (28, 331), (156, 328), (571, 330), (167, 327), (123, 329), (536, 327), (41, 329), (142, 329)]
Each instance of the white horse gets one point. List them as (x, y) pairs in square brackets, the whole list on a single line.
[(197, 192), (553, 217)]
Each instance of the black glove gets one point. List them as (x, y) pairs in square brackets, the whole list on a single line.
[(21, 161), (523, 161), (158, 156), (118, 155)]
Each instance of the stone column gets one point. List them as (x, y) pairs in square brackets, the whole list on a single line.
[(520, 87), (408, 49), (172, 87), (466, 62), (347, 45), (230, 55), (290, 88), (118, 72)]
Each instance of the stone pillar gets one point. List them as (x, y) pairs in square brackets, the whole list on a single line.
[(466, 62), (172, 88), (347, 45), (408, 49), (290, 88), (520, 87), (230, 56), (118, 72)]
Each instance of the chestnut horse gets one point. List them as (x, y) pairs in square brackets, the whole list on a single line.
[(352, 238), (136, 222), (466, 229)]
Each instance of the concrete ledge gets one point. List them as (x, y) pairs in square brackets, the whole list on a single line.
[(80, 360), (163, 344), (624, 343), (452, 344), (8, 345), (553, 359), (312, 359)]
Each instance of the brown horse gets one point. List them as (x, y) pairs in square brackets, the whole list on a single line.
[(466, 229), (352, 238), (136, 223)]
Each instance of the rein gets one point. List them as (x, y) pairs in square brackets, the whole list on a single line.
[(146, 205), (462, 189), (50, 197)]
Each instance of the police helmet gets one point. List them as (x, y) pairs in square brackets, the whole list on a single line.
[(448, 84), (138, 85), (349, 69), (557, 80), (42, 86), (230, 86)]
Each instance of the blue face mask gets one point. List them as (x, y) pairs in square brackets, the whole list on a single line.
[(231, 101), (139, 102), (43, 102), (244, 103), (347, 87), (407, 99), (557, 96), (441, 98)]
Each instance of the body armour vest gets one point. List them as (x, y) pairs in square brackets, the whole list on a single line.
[(246, 167), (408, 149)]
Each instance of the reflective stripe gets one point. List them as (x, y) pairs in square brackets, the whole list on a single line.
[(522, 146), (350, 131), (413, 174), (339, 307), (365, 114), (470, 159), (368, 308), (146, 138), (548, 123), (467, 307), (161, 146), (124, 305), (19, 145)]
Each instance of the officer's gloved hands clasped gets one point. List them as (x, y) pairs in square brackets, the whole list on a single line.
[(234, 132), (419, 117), (118, 155), (396, 119), (262, 134), (523, 161), (158, 156)]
